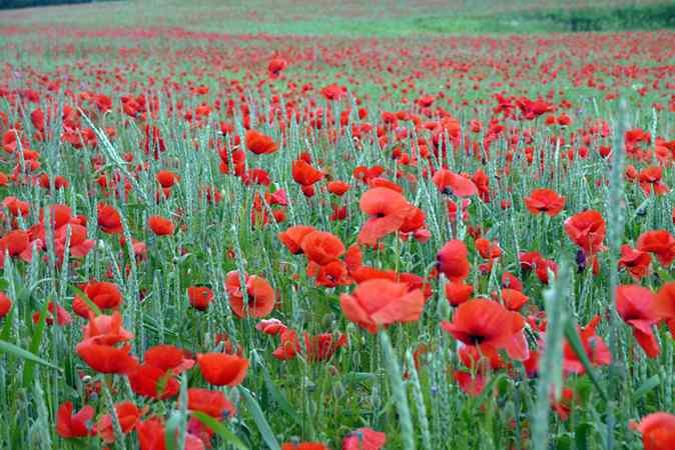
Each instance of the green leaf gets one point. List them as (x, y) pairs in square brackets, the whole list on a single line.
[(359, 377), (7, 327), (259, 419), (564, 443), (646, 387), (276, 394), (220, 429), (496, 380), (35, 341), (581, 433), (23, 295), (6, 347)]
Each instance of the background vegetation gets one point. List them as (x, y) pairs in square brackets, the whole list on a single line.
[(386, 17)]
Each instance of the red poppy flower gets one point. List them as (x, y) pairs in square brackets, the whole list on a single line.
[(261, 296), (452, 260), (167, 179), (128, 415), (106, 358), (636, 262), (453, 210), (587, 230), (201, 431), (16, 243), (160, 225), (479, 362), (15, 206), (106, 330), (59, 182), (564, 405), (317, 348), (660, 243), (365, 273), (487, 249), (331, 274), (339, 213), (289, 345), (146, 380), (271, 326), (664, 305), (138, 247), (414, 220), (322, 247), (470, 384), (303, 446), (365, 174), (513, 299), (5, 304), (510, 281), (650, 181), (152, 436), (304, 174), (168, 357), (364, 439), (458, 292), (381, 302), (387, 210), (658, 431), (480, 359), (109, 219), (532, 109), (322, 347), (543, 267), (449, 182), (276, 66), (482, 182), (200, 297), (635, 305), (385, 183), (101, 293), (338, 188), (63, 317), (353, 258), (79, 246), (220, 369), (259, 143), (488, 324), (213, 403), (69, 425), (308, 191), (595, 347), (333, 92), (545, 201), (60, 215)]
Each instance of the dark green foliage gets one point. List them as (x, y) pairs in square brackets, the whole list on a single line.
[(635, 17), (12, 4)]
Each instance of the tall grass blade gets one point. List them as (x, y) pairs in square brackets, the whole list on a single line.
[(11, 349), (259, 419)]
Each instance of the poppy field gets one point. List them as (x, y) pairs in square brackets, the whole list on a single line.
[(254, 238)]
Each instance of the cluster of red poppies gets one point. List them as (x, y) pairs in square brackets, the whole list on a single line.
[(437, 201)]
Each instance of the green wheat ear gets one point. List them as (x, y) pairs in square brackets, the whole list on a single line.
[(398, 390)]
